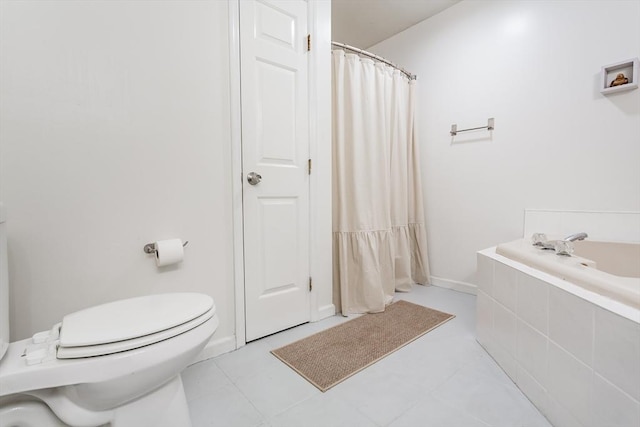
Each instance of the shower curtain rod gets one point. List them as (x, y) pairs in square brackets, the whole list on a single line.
[(376, 57)]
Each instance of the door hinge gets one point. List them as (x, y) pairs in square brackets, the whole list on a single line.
[(310, 284), (309, 164), (308, 42)]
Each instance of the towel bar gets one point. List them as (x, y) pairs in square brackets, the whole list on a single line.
[(489, 126)]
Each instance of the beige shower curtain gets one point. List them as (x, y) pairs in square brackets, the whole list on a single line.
[(379, 235)]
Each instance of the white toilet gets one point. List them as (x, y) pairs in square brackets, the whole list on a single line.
[(116, 364)]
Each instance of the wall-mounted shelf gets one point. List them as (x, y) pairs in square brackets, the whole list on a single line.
[(625, 71)]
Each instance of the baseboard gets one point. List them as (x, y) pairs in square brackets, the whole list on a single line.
[(216, 348), (226, 344), (467, 288), (324, 312)]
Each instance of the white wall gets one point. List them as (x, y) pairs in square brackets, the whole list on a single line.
[(558, 142), (114, 132)]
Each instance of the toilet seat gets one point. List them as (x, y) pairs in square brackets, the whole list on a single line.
[(131, 344), (119, 326)]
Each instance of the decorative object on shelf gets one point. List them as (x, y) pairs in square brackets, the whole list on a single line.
[(620, 80), (618, 77)]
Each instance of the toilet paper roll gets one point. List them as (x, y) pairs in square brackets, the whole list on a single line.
[(169, 252)]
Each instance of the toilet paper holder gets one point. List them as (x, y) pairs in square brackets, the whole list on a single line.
[(150, 248)]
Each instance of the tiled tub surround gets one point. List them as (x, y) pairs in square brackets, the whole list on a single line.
[(573, 352)]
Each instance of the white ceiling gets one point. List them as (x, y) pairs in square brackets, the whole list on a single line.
[(363, 23)]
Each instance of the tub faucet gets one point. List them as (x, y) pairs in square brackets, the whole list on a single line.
[(577, 236)]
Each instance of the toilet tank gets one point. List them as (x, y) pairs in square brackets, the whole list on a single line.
[(4, 285)]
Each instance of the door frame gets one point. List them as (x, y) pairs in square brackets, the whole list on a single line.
[(320, 228)]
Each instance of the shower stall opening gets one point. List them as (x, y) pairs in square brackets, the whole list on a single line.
[(379, 234)]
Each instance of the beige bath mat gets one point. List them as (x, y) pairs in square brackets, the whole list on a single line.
[(331, 356)]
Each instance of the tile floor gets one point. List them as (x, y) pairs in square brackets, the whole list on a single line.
[(443, 379)]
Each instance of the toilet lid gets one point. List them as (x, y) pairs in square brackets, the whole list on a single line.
[(132, 318), (132, 344)]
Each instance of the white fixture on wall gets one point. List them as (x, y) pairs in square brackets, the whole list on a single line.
[(619, 77)]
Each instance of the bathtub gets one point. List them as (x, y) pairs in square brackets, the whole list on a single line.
[(566, 330), (609, 269)]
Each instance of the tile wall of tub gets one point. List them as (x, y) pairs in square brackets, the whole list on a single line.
[(576, 361)]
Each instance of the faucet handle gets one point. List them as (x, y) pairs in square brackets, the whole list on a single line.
[(538, 239), (563, 247)]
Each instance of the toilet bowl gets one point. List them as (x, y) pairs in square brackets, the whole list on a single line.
[(92, 369), (116, 364), (24, 412)]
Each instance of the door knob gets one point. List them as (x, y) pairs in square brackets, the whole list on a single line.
[(253, 178)]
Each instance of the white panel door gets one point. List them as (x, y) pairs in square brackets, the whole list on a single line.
[(275, 146)]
